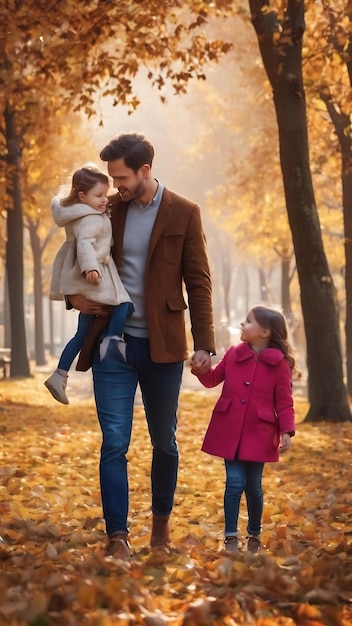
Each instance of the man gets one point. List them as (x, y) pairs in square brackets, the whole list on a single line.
[(159, 246)]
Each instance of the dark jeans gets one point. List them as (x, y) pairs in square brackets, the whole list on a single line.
[(243, 476), (115, 384), (116, 324)]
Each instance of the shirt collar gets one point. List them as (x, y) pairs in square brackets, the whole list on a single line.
[(155, 202)]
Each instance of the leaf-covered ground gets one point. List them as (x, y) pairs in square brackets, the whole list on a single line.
[(52, 566)]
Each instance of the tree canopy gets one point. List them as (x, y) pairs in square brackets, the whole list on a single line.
[(56, 48), (93, 45), (55, 52)]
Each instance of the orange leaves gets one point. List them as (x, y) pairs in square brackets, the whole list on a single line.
[(52, 565), (64, 45)]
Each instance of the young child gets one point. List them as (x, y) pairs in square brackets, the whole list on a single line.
[(253, 420), (83, 265)]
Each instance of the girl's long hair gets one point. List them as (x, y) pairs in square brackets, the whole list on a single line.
[(274, 320), (83, 180)]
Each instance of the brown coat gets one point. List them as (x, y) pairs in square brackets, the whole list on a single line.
[(177, 258)]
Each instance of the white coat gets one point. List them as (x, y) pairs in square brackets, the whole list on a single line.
[(87, 247)]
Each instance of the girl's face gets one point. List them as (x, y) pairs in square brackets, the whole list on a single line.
[(96, 197), (253, 333)]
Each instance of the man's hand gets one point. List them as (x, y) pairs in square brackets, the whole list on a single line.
[(200, 362), (88, 307)]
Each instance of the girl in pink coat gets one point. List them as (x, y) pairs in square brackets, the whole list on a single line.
[(253, 420)]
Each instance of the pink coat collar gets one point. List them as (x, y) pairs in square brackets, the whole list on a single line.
[(271, 356)]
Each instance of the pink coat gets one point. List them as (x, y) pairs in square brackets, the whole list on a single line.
[(255, 406)]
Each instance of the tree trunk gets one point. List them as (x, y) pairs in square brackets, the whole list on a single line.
[(285, 287), (38, 296), (347, 219), (227, 269), (281, 49), (246, 291), (51, 329), (14, 252), (263, 285), (341, 123), (7, 316), (264, 275)]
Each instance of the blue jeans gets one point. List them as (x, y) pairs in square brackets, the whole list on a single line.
[(115, 384), (116, 325), (243, 476), (75, 344)]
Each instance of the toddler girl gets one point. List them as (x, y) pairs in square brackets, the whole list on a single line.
[(84, 266)]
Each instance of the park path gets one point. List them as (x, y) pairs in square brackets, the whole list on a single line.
[(80, 385)]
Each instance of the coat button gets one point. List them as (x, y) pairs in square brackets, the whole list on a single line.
[(247, 382), (243, 402)]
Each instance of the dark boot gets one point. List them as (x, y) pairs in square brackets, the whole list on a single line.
[(160, 531), (253, 544), (119, 547), (231, 544)]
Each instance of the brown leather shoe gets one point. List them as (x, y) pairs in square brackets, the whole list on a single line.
[(253, 544), (160, 536), (118, 547), (231, 544)]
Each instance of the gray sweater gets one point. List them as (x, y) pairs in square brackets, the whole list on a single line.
[(139, 225)]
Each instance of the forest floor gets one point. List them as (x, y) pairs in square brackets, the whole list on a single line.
[(53, 571)]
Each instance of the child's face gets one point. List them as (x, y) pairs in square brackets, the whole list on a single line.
[(252, 332), (96, 197)]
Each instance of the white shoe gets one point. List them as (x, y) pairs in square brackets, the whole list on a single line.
[(119, 343), (57, 385)]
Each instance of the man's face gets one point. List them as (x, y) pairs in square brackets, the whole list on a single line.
[(130, 186)]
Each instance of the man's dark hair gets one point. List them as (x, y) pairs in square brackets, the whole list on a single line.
[(134, 148)]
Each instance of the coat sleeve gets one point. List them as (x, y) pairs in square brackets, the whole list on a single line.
[(196, 275), (214, 376), (284, 404), (85, 230)]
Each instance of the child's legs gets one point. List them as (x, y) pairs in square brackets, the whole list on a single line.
[(254, 496), (235, 485), (118, 318), (75, 344)]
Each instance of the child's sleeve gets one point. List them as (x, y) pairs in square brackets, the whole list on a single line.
[(214, 376), (284, 404)]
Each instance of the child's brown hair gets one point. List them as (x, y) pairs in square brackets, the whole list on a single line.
[(82, 181), (274, 320)]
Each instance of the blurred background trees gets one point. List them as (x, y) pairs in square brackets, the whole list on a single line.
[(73, 77)]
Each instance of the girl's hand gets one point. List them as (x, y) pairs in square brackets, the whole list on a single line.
[(92, 277), (285, 443)]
